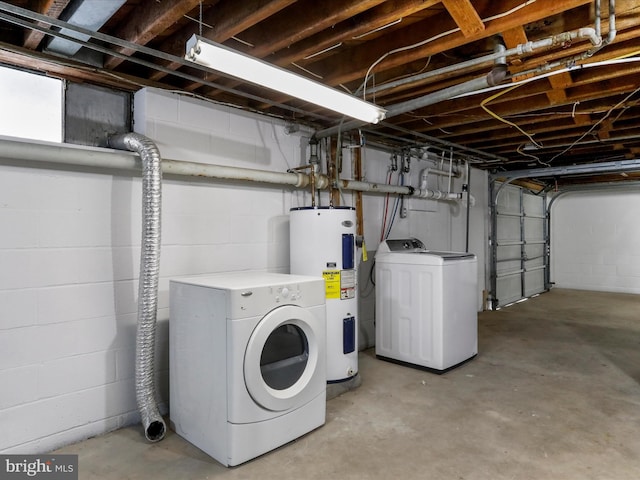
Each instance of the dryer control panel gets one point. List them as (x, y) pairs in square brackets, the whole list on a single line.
[(287, 293)]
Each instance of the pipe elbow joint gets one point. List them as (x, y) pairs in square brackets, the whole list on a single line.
[(497, 75), (590, 33), (322, 182)]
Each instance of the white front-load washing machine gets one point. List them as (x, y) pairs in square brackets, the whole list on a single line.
[(247, 361)]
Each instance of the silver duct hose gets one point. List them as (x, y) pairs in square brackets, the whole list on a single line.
[(154, 426)]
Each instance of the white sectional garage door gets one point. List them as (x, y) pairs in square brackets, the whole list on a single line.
[(519, 245)]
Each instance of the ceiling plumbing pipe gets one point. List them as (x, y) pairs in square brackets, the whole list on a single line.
[(570, 62), (424, 192), (518, 50), (494, 77), (154, 426)]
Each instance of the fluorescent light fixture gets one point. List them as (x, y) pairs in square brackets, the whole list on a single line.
[(228, 61)]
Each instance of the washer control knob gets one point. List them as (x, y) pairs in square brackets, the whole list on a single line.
[(285, 292)]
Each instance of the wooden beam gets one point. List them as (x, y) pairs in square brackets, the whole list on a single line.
[(345, 32), (582, 119), (557, 94), (561, 80), (465, 16), (357, 61), (70, 70), (149, 22), (50, 8), (384, 14), (228, 20), (514, 37), (280, 31), (605, 129)]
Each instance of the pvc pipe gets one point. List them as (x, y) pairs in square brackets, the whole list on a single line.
[(437, 195), (359, 186)]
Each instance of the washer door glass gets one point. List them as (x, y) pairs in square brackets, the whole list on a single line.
[(282, 363), (284, 356)]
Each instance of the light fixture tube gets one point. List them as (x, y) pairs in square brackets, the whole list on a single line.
[(228, 61)]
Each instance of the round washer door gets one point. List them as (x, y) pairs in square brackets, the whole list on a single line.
[(281, 359)]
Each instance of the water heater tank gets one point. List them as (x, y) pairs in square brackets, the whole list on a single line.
[(323, 244)]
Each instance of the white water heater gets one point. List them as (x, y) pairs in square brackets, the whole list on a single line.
[(323, 243)]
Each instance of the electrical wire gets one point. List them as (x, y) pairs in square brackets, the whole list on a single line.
[(396, 205), (386, 207), (363, 87), (525, 154), (483, 105), (593, 127)]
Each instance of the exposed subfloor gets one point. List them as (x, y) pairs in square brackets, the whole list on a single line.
[(553, 394)]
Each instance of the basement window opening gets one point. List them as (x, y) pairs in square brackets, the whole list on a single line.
[(32, 105)]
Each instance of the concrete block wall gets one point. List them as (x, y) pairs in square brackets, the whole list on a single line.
[(440, 225), (70, 261), (594, 241), (67, 307)]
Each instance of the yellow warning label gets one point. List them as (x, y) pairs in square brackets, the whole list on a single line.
[(331, 283)]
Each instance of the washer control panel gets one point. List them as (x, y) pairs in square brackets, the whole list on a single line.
[(405, 245)]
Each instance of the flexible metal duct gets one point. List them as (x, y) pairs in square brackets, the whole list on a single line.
[(154, 426)]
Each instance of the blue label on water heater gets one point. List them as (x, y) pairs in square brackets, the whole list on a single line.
[(348, 335), (348, 251)]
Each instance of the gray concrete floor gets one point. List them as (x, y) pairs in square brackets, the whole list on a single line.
[(553, 394)]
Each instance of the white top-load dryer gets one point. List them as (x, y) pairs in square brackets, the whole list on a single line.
[(426, 305), (247, 361)]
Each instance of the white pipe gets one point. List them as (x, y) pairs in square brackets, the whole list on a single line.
[(437, 195), (295, 179), (359, 186), (424, 177), (46, 153), (93, 157)]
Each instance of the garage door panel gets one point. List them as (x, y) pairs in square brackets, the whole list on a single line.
[(534, 282), (520, 245)]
